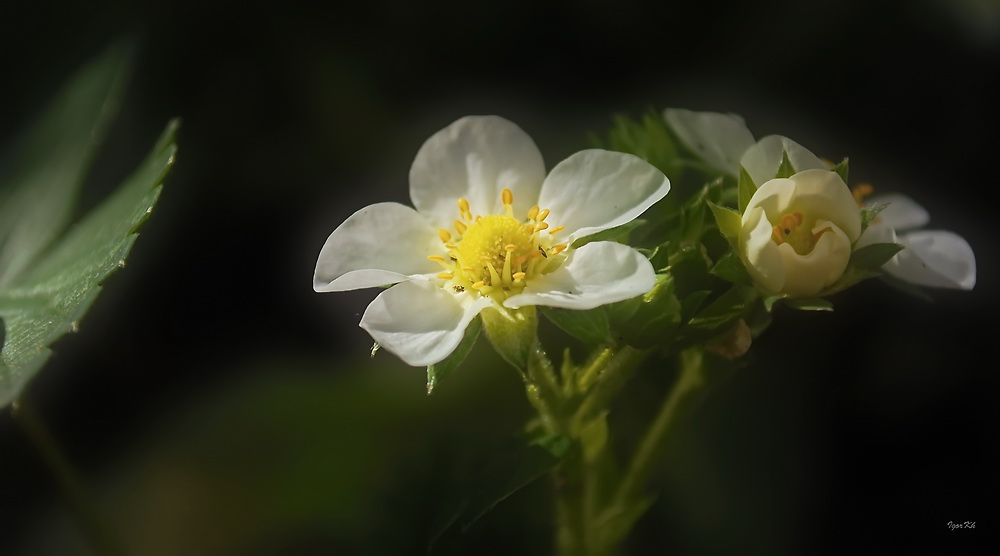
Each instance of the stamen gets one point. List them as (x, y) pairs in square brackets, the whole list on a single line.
[(494, 277), (518, 276), (556, 230), (776, 234), (559, 248), (444, 235), (478, 285), (445, 275), (542, 215), (520, 260), (533, 212), (541, 226), (436, 258), (460, 227), (508, 196), (463, 205), (506, 264)]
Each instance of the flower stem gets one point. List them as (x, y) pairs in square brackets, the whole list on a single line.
[(691, 380), (94, 528)]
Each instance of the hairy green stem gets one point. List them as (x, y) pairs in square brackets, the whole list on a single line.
[(94, 528)]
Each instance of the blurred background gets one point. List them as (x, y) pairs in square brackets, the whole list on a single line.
[(215, 405)]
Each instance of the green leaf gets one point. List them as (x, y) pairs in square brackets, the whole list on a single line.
[(46, 296), (587, 326), (724, 310), (618, 233), (809, 304), (785, 170), (873, 256), (439, 371), (505, 475), (841, 170), (746, 189), (731, 268), (651, 321), (729, 221), (38, 194)]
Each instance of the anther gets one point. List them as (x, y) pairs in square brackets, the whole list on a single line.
[(508, 196), (436, 258), (478, 285), (463, 205), (556, 230), (542, 215), (510, 247), (444, 235), (518, 276), (559, 248), (541, 226), (445, 275), (460, 227), (533, 212)]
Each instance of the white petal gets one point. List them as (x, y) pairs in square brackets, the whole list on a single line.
[(935, 258), (808, 274), (594, 190), (720, 139), (596, 274), (761, 255), (819, 194), (378, 245), (420, 322), (761, 161), (476, 157), (878, 231), (903, 213)]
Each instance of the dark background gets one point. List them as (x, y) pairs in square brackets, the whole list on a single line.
[(216, 405)]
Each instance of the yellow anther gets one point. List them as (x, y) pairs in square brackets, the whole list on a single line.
[(520, 260), (478, 285), (510, 247), (460, 227), (486, 259), (451, 246), (445, 275), (556, 230), (444, 235), (779, 238), (860, 191), (436, 258), (508, 196), (518, 276), (463, 205), (533, 212), (468, 269), (542, 215), (790, 221), (559, 248), (541, 226)]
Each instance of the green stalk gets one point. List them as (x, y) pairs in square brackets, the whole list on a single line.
[(94, 528)]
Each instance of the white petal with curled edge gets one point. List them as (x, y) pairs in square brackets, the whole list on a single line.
[(596, 274), (808, 274), (720, 139), (419, 322), (378, 245), (475, 158), (903, 213), (935, 258), (594, 190), (760, 254), (762, 160)]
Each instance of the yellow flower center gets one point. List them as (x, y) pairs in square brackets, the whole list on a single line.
[(791, 230), (496, 254)]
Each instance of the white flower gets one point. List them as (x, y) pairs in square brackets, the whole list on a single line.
[(797, 232), (725, 143), (936, 258), (490, 229)]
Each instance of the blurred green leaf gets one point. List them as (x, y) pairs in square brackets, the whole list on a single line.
[(504, 476), (731, 268), (842, 169), (809, 304), (869, 213), (728, 220), (746, 189), (785, 170), (872, 257), (587, 326), (438, 371), (43, 297)]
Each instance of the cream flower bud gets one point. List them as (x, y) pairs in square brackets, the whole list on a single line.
[(797, 233)]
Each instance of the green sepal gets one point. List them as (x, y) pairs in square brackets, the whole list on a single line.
[(505, 475), (841, 169), (442, 369), (785, 170), (868, 214), (809, 303), (587, 326), (873, 256), (746, 188), (513, 332), (720, 313), (732, 269), (729, 221)]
